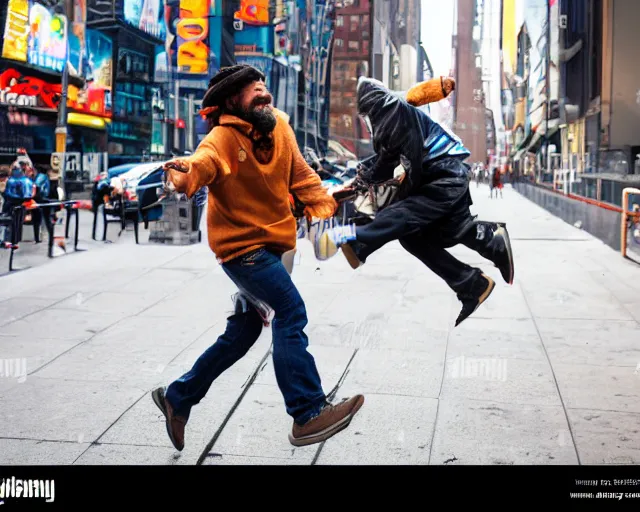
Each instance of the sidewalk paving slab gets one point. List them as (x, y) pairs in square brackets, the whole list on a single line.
[(489, 432)]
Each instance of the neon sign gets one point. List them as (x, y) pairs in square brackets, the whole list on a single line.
[(16, 31)]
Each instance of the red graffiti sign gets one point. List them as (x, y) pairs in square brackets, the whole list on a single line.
[(17, 89)]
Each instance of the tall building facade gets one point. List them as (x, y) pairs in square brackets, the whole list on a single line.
[(379, 39), (470, 116), (351, 58)]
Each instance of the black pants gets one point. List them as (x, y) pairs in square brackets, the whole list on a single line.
[(37, 216), (426, 225), (13, 232)]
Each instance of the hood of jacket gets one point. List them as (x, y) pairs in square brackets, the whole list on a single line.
[(395, 126)]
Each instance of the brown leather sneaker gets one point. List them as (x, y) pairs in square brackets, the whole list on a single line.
[(331, 420), (175, 424), (480, 290)]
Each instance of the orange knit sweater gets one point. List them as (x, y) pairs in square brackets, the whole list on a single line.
[(248, 205)]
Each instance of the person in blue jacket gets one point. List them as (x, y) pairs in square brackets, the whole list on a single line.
[(42, 194), (19, 189)]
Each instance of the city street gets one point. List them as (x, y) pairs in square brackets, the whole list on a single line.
[(546, 372)]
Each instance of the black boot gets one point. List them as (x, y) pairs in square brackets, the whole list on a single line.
[(477, 292), (491, 241)]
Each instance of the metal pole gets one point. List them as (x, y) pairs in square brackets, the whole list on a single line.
[(176, 100), (548, 83), (190, 123), (61, 124)]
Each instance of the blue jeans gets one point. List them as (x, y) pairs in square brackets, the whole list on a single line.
[(261, 274)]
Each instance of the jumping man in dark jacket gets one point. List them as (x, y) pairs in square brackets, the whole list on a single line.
[(431, 212)]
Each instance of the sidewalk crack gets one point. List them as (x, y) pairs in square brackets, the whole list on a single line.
[(553, 373), (331, 395), (207, 449)]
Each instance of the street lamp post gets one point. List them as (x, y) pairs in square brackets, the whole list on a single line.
[(61, 124)]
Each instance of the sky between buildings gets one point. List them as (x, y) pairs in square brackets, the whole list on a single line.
[(437, 24), (437, 18)]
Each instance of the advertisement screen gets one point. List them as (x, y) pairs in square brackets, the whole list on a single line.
[(146, 15), (192, 31), (97, 65), (47, 46), (253, 12), (16, 31)]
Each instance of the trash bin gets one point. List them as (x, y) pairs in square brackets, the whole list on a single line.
[(176, 225)]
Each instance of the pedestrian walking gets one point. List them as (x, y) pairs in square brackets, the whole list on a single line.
[(250, 163), (496, 182)]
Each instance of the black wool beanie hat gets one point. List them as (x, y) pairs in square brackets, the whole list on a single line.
[(228, 82)]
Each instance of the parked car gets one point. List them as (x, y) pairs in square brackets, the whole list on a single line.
[(117, 194)]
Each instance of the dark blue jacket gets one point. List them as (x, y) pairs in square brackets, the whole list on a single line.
[(19, 188), (400, 129), (43, 186)]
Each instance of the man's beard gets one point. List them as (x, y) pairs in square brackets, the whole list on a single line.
[(262, 119)]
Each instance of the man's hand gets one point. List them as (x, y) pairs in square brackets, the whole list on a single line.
[(177, 165), (180, 165), (344, 193)]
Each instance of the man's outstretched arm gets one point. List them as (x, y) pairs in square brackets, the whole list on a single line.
[(190, 174)]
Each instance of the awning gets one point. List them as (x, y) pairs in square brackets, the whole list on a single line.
[(533, 145), (88, 121)]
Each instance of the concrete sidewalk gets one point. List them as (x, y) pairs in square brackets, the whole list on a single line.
[(545, 372)]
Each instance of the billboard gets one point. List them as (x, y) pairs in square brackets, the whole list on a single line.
[(22, 90), (95, 97), (253, 12), (146, 15), (16, 31), (192, 31), (47, 42)]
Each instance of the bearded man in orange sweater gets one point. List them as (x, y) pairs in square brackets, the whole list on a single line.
[(250, 163)]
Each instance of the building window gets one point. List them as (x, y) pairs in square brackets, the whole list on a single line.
[(339, 43), (354, 46), (354, 23), (340, 21), (365, 21)]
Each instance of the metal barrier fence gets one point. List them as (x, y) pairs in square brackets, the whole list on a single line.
[(16, 223), (630, 225)]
